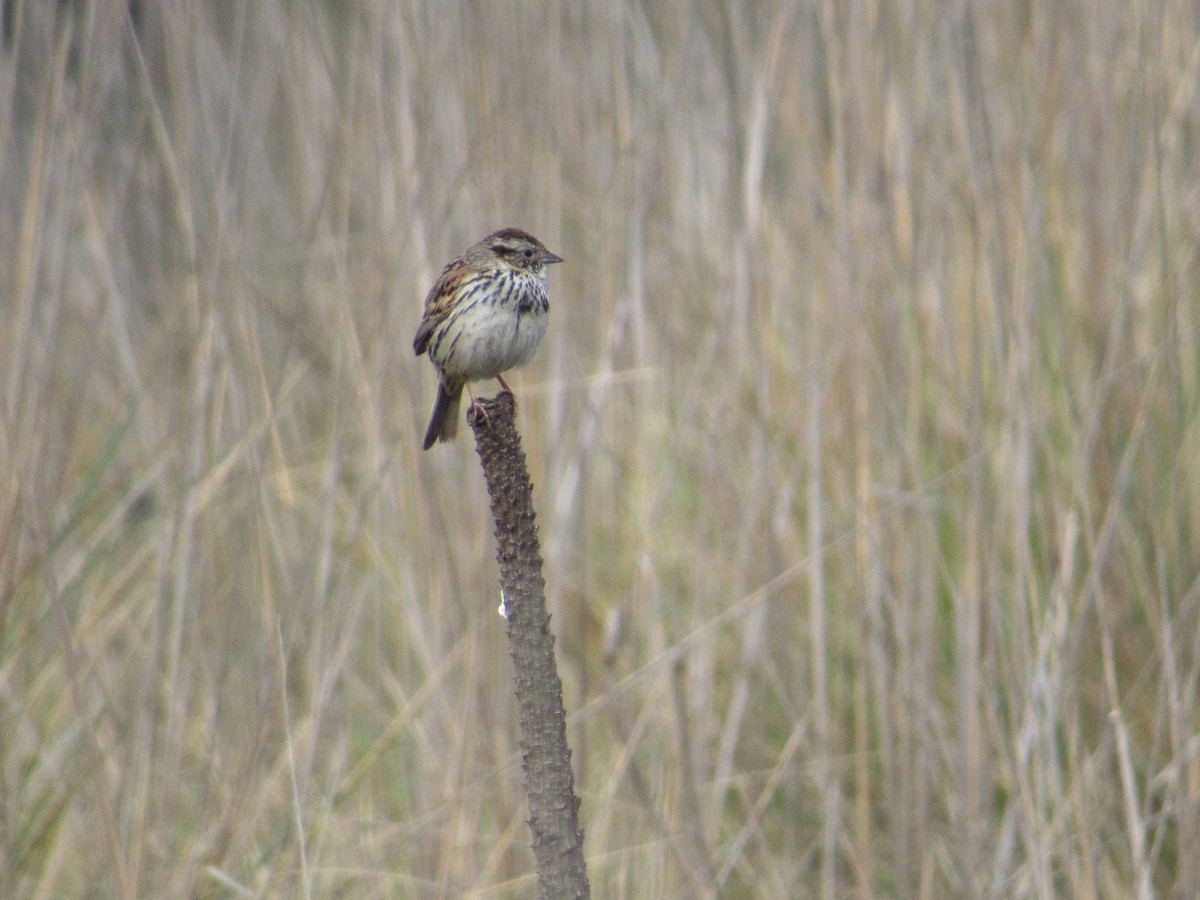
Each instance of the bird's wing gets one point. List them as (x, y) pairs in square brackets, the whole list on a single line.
[(436, 306)]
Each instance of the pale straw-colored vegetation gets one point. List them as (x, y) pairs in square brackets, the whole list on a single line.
[(869, 404)]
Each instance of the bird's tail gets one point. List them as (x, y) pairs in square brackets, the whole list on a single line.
[(443, 424)]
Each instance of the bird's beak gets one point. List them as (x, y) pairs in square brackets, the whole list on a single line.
[(548, 258)]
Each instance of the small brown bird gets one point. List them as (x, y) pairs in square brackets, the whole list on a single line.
[(485, 314)]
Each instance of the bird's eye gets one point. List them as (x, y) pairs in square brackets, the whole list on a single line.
[(527, 253)]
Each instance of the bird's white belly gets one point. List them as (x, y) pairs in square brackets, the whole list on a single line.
[(491, 342)]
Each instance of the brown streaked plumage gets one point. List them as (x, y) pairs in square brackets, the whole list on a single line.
[(485, 314)]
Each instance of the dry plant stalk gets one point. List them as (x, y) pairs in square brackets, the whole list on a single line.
[(545, 756)]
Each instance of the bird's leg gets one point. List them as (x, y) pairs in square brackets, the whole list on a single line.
[(477, 406), (507, 389)]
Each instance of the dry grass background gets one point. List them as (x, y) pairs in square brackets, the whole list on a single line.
[(869, 402)]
